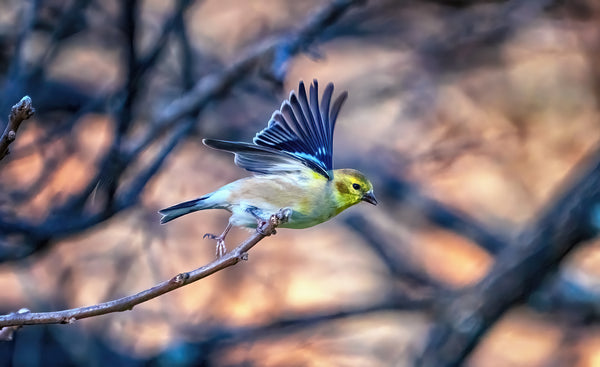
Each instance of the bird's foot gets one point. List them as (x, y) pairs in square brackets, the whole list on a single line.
[(283, 215), (261, 228), (220, 249), (267, 228)]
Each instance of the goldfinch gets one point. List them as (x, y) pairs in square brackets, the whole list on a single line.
[(293, 165)]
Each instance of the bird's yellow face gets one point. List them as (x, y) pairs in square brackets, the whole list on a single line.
[(351, 187)]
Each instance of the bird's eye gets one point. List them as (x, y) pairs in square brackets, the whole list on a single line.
[(356, 186)]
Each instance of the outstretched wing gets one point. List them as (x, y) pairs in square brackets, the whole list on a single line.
[(304, 129), (261, 159), (298, 135)]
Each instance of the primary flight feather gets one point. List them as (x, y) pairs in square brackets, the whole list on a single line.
[(292, 159)]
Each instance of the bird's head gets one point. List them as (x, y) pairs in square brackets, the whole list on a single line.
[(351, 187)]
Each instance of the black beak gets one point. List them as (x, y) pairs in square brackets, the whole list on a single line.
[(369, 197)]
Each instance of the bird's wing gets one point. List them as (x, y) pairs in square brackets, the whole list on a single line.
[(262, 159), (298, 135), (303, 129)]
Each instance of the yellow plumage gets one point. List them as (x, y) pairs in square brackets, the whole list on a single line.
[(292, 159)]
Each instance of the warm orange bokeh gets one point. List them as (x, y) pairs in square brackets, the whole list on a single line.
[(493, 141)]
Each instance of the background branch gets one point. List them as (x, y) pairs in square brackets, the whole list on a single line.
[(18, 113), (464, 317)]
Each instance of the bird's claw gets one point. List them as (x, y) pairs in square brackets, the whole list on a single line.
[(220, 249), (260, 228), (282, 216)]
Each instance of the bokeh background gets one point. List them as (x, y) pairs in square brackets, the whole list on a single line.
[(472, 118)]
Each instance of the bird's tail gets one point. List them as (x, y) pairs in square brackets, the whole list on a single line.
[(176, 211)]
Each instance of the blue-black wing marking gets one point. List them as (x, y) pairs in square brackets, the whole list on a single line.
[(326, 103), (316, 115), (303, 129), (263, 159)]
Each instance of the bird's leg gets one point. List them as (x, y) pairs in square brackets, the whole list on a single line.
[(221, 249), (260, 222), (277, 219)]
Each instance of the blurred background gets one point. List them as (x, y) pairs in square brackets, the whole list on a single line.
[(476, 120)]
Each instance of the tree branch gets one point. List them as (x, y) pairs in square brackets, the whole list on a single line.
[(223, 335), (396, 188), (465, 316), (127, 303), (275, 53), (390, 253), (18, 113)]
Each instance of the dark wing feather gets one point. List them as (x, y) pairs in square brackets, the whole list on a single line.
[(304, 130), (261, 159)]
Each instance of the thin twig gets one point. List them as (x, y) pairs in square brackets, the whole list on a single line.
[(271, 51), (7, 333), (127, 303), (18, 113)]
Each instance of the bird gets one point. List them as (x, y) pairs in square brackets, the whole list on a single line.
[(292, 165)]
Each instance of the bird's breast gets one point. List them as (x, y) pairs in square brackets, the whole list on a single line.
[(309, 199)]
